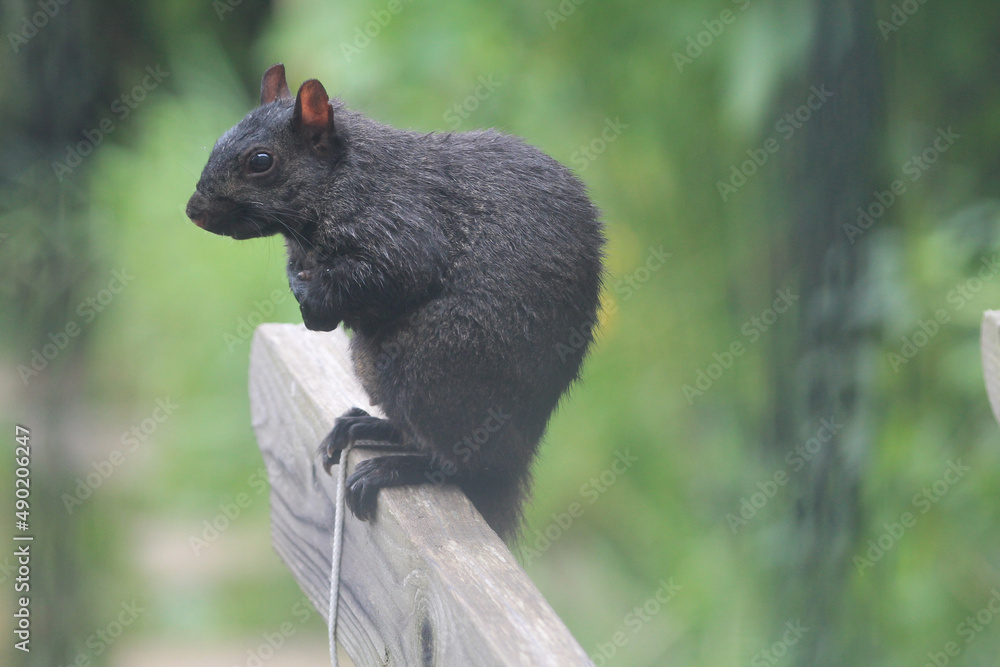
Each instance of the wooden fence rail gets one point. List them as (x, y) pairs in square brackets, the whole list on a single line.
[(426, 583), (990, 351)]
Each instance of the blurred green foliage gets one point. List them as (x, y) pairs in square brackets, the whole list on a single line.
[(559, 73)]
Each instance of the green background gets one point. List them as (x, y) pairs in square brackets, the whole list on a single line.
[(880, 339)]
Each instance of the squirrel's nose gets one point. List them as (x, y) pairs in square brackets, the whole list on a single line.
[(196, 209)]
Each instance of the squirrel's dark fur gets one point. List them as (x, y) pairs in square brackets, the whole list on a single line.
[(468, 266)]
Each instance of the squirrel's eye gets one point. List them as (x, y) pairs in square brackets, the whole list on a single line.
[(260, 162)]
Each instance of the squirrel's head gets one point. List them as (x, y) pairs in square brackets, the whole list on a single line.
[(261, 173)]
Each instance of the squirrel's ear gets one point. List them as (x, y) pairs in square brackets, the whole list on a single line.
[(273, 86), (313, 114)]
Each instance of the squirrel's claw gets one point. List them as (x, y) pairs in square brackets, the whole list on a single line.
[(362, 489), (381, 472), (354, 425), (339, 437)]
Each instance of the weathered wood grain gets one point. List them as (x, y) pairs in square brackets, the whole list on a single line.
[(426, 583)]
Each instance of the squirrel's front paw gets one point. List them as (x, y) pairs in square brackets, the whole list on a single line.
[(354, 425), (339, 437)]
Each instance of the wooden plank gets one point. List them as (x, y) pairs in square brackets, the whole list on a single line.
[(990, 350), (426, 583)]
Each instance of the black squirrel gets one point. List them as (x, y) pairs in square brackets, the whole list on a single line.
[(468, 266)]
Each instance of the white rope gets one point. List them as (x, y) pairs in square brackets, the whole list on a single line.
[(338, 548)]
